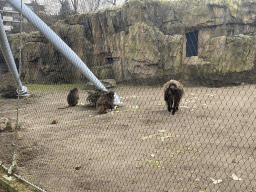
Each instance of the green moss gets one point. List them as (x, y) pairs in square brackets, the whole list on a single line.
[(229, 54), (234, 5), (103, 72), (159, 73), (107, 73), (142, 43)]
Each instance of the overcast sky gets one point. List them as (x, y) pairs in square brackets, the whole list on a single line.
[(52, 6)]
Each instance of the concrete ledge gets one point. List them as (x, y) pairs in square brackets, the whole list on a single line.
[(13, 184)]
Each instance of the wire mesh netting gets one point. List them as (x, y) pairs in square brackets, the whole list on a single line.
[(157, 139)]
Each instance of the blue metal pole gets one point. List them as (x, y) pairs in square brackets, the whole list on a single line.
[(60, 45), (9, 58)]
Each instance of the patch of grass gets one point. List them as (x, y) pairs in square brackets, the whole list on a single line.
[(19, 126), (8, 91), (157, 163), (134, 181), (48, 88), (93, 96)]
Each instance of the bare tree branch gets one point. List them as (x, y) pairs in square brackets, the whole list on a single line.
[(75, 5), (89, 5), (65, 9), (112, 1)]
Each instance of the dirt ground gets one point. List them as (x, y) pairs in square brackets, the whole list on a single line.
[(208, 145)]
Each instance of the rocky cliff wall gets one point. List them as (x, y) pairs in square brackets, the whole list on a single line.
[(146, 39)]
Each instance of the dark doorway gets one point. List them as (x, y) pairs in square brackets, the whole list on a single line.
[(192, 43), (109, 60)]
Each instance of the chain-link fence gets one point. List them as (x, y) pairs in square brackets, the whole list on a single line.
[(208, 144)]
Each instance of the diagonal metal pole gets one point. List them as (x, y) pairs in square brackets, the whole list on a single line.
[(6, 50), (60, 45)]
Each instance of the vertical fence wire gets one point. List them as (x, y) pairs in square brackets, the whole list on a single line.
[(205, 143)]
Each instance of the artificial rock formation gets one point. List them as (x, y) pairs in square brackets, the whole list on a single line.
[(147, 40)]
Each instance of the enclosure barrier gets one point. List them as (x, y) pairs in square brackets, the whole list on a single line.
[(206, 143)]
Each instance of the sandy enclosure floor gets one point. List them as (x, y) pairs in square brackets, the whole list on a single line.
[(208, 145)]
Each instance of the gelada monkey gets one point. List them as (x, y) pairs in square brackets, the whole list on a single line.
[(173, 92), (105, 102), (72, 98)]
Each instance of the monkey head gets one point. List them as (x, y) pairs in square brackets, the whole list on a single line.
[(171, 89), (110, 95), (74, 90)]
